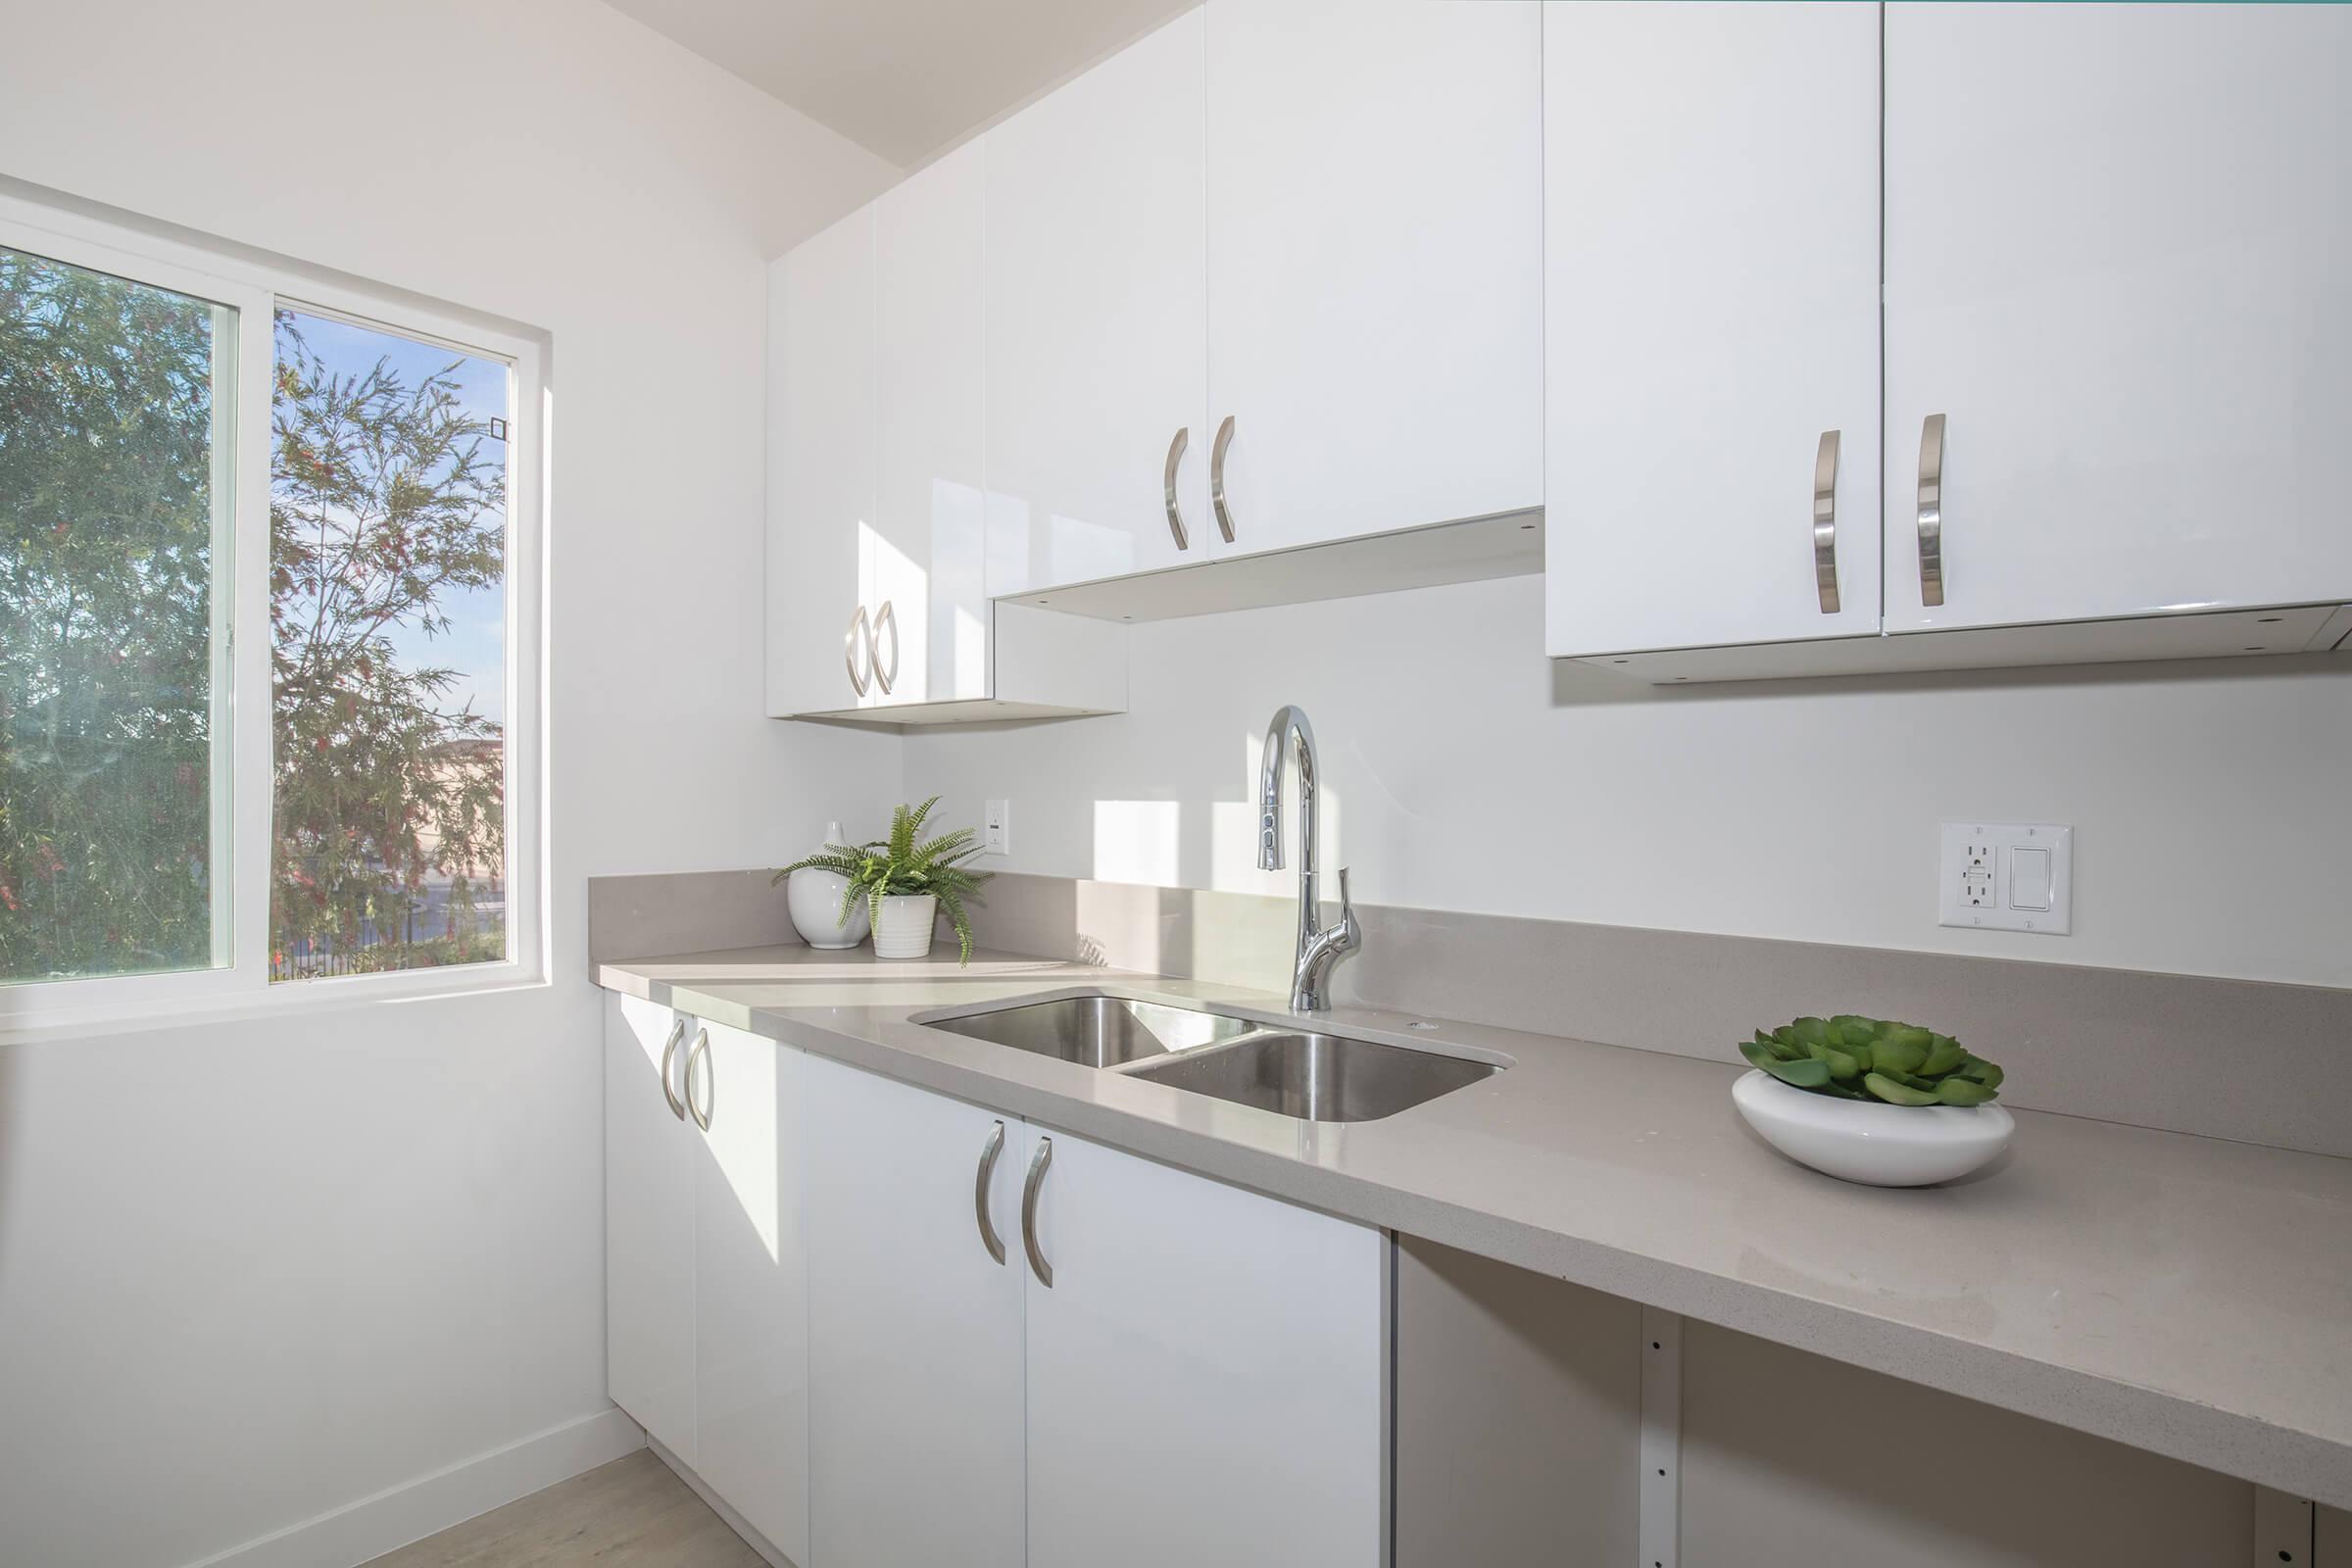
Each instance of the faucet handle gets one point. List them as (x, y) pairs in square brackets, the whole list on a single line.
[(1346, 905)]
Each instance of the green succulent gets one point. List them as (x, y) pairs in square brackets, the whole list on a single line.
[(901, 866), (1852, 1058)]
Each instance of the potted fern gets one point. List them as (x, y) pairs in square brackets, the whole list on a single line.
[(906, 881)]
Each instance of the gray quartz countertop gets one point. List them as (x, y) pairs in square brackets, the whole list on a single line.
[(2184, 1294)]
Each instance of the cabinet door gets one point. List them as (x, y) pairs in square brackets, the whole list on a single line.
[(2115, 264), (928, 552), (1711, 222), (1097, 322), (1207, 1374), (820, 469), (649, 1225), (751, 1283), (1375, 263), (914, 1328)]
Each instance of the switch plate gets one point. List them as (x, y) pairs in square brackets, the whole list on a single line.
[(2007, 876), (996, 828)]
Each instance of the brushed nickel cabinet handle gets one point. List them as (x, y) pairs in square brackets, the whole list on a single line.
[(1931, 510), (1037, 1179), (889, 617), (670, 1051), (858, 637), (1168, 483), (1825, 522), (701, 1053), (988, 1170), (1216, 478)]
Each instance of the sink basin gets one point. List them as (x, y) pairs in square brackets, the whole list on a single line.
[(1318, 1077), (1097, 1031)]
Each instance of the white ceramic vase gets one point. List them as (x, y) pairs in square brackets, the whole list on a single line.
[(903, 929), (813, 898), (1882, 1146)]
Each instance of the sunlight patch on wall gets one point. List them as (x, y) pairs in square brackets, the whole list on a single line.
[(1136, 841)]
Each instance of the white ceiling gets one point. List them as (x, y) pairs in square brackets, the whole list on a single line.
[(903, 77)]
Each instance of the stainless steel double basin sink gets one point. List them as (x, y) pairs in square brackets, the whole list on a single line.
[(1302, 1073)]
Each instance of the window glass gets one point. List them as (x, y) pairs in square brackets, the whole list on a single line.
[(388, 620), (115, 515)]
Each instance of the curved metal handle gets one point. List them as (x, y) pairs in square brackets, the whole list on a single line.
[(701, 1052), (1168, 482), (988, 1170), (1037, 1179), (669, 1049), (1216, 478), (1825, 522), (856, 638), (1931, 510), (889, 617)]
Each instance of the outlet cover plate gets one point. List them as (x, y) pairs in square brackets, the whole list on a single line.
[(2007, 876), (996, 828)]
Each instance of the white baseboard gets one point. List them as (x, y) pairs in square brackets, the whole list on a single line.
[(373, 1526)]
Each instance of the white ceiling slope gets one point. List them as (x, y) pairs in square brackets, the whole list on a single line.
[(902, 77)]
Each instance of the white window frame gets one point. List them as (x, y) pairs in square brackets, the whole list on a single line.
[(256, 290)]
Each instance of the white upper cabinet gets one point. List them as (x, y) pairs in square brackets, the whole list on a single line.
[(924, 560), (751, 1279), (820, 474), (1711, 325), (2116, 241), (1206, 1374), (1375, 265), (1097, 314), (878, 537)]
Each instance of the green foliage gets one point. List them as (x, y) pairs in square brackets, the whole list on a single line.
[(905, 865), (1853, 1058), (381, 500), (106, 637)]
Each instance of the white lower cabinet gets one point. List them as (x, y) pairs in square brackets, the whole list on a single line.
[(915, 1328), (825, 1298), (649, 1221), (705, 1274), (751, 1280), (1207, 1374)]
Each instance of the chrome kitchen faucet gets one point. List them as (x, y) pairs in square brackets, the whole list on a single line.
[(1318, 945)]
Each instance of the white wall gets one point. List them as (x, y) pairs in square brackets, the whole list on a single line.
[(257, 1271), (2213, 834)]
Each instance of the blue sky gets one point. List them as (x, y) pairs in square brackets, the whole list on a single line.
[(476, 643)]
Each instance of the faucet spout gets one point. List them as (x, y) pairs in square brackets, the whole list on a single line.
[(1318, 945)]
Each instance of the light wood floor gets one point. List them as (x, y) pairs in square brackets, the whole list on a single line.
[(632, 1513)]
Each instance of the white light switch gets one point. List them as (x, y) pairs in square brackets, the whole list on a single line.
[(996, 828), (2007, 877), (2029, 878)]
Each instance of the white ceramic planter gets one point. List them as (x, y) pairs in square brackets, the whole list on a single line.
[(814, 898), (903, 929), (1883, 1146)]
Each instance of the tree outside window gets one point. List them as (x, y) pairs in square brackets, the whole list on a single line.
[(386, 641), (388, 534)]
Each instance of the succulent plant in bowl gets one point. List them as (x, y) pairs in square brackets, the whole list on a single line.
[(1853, 1058), (1871, 1101)]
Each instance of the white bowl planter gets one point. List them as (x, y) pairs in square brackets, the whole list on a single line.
[(814, 898), (1883, 1146), (903, 929)]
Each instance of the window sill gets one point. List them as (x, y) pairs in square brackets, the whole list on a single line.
[(53, 1018)]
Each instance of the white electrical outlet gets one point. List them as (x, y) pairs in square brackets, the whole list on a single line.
[(996, 828), (2007, 877)]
